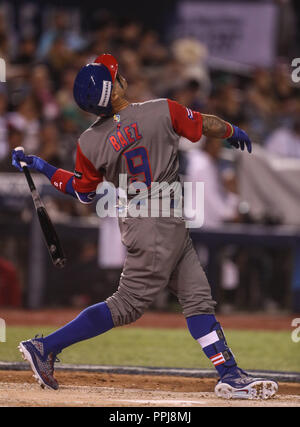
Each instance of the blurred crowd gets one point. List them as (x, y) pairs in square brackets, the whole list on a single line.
[(37, 109)]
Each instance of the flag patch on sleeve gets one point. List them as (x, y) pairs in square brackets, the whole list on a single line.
[(190, 113)]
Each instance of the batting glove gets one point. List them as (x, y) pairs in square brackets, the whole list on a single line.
[(239, 139), (32, 162)]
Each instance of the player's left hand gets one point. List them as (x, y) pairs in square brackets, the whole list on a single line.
[(239, 139), (32, 162)]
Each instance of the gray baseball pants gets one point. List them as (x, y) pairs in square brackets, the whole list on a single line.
[(160, 254)]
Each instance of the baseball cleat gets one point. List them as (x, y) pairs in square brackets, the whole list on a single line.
[(242, 386), (41, 365)]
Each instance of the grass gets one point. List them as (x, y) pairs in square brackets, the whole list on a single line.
[(265, 350)]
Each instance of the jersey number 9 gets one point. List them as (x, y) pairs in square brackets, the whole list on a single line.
[(138, 165)]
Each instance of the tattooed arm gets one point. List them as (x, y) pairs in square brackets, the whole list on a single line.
[(215, 127)]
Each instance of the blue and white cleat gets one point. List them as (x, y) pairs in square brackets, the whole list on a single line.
[(242, 386), (42, 365)]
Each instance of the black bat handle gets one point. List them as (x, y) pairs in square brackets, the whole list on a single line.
[(29, 178), (35, 195)]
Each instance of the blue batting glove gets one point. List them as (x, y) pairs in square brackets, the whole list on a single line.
[(239, 139), (32, 162)]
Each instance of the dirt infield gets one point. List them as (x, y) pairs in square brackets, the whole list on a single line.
[(18, 388), (58, 317)]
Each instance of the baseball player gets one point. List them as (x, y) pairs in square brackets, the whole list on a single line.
[(140, 140)]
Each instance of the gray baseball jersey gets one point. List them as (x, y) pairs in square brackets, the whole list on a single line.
[(140, 142)]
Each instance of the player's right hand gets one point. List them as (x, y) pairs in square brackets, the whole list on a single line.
[(32, 162), (240, 139)]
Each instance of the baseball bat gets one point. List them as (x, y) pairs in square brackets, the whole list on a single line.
[(50, 236)]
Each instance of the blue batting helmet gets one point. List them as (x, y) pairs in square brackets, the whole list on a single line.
[(93, 85)]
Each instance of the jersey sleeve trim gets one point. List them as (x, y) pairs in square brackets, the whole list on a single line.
[(86, 198)]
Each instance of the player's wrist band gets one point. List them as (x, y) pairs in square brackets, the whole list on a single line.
[(229, 131), (48, 170), (60, 179)]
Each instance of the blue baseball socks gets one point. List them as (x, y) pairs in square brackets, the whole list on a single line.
[(92, 321), (208, 332), (96, 320)]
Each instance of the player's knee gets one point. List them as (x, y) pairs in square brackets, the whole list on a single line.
[(124, 312), (192, 307), (125, 317), (132, 316)]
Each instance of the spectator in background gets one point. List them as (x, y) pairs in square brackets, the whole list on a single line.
[(287, 96), (67, 105), (192, 56), (64, 95), (166, 79), (139, 91), (10, 288), (220, 203), (59, 57), (26, 118), (69, 126), (261, 104), (130, 32), (5, 41), (285, 141), (103, 38), (151, 52), (15, 138), (228, 101), (49, 144), (60, 26), (27, 51), (130, 63), (42, 90), (188, 95)]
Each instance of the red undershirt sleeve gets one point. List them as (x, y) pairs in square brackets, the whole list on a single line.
[(86, 176), (186, 122)]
